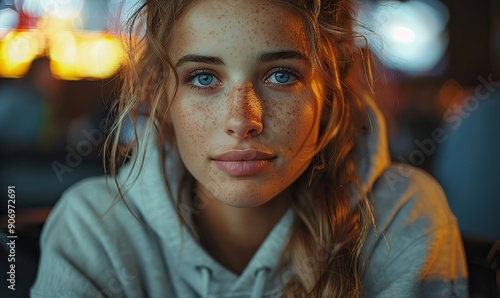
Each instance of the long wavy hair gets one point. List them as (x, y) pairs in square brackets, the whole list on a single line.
[(325, 243)]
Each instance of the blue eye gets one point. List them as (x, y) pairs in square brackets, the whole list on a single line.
[(283, 77), (204, 80)]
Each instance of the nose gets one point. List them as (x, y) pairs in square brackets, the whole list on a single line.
[(244, 117)]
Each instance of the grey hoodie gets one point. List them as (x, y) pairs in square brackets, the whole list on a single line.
[(89, 250)]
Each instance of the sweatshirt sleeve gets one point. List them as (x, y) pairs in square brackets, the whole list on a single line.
[(418, 250), (74, 261)]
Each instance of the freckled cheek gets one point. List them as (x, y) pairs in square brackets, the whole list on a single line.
[(296, 120), (192, 125)]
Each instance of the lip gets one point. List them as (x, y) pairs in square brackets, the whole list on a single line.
[(246, 162)]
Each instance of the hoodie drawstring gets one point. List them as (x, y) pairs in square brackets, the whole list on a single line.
[(205, 278), (260, 281)]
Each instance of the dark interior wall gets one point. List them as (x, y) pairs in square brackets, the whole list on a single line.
[(471, 50)]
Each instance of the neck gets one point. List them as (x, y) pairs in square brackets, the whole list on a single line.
[(232, 235)]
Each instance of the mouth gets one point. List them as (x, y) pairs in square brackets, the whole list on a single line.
[(246, 162)]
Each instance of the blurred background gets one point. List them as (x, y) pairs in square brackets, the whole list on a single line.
[(436, 79)]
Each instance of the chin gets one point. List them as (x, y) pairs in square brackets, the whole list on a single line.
[(244, 199), (245, 202), (243, 195), (243, 192)]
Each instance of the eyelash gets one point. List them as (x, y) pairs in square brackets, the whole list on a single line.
[(286, 70), (190, 77)]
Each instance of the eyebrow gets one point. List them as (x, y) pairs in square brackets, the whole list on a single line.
[(265, 57), (281, 55), (199, 59)]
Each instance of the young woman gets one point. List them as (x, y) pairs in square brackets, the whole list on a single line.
[(258, 173)]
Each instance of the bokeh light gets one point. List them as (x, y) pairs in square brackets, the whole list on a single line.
[(71, 33), (17, 50), (9, 19), (410, 36)]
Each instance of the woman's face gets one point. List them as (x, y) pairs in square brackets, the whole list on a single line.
[(247, 111)]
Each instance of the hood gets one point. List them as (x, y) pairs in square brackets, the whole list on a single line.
[(372, 153), (193, 271)]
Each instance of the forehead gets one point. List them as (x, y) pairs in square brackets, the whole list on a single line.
[(246, 26)]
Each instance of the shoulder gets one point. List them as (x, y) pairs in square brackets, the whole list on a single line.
[(409, 207), (90, 210), (416, 245), (88, 244), (84, 202), (410, 197)]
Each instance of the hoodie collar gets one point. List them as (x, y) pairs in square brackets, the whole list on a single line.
[(260, 275)]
